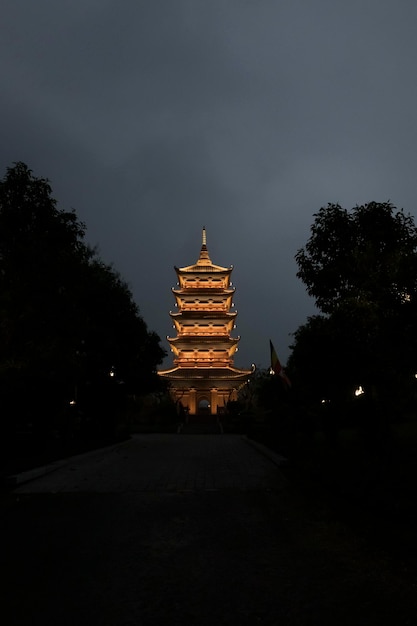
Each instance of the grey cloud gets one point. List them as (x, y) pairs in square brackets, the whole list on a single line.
[(153, 119)]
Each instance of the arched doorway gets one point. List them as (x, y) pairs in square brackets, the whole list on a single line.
[(203, 406)]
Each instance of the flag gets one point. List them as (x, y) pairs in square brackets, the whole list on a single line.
[(276, 367)]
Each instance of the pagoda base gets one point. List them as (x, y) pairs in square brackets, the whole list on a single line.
[(203, 402), (204, 392)]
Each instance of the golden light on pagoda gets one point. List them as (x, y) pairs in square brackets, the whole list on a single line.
[(203, 373)]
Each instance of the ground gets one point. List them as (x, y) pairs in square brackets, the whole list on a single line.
[(190, 530)]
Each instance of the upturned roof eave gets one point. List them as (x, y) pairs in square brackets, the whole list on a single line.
[(196, 268), (192, 291), (204, 314), (207, 372), (193, 339)]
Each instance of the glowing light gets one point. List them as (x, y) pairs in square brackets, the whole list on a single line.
[(359, 391), (73, 402), (203, 300)]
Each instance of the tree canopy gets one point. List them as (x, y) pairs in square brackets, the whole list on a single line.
[(361, 268), (66, 317), (367, 255)]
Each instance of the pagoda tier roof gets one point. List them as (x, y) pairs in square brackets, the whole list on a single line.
[(206, 373), (204, 339), (204, 315), (204, 291), (217, 269)]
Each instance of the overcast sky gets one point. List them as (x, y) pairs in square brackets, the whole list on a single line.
[(155, 118)]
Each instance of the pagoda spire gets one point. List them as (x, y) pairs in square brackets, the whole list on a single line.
[(204, 258)]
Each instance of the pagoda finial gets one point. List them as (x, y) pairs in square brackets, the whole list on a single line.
[(204, 258)]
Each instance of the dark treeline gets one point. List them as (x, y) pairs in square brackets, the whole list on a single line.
[(361, 269), (350, 417), (356, 359), (72, 342)]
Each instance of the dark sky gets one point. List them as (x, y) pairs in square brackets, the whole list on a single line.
[(152, 119)]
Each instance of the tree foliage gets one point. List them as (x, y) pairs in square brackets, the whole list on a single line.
[(361, 268), (66, 318), (367, 256)]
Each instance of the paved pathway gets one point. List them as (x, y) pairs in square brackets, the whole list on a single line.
[(173, 463), (168, 530)]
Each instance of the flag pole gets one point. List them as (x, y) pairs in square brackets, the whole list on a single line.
[(276, 367)]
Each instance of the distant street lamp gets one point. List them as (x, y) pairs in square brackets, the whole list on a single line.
[(359, 391)]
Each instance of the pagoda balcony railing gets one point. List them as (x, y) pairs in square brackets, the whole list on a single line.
[(205, 307), (203, 362), (205, 285), (203, 333)]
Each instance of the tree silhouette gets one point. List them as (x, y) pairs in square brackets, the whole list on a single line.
[(66, 318), (361, 268)]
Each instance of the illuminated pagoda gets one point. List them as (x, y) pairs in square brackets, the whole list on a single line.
[(204, 378)]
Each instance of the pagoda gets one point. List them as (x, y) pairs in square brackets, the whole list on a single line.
[(204, 378)]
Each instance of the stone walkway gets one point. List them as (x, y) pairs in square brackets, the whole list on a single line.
[(185, 530), (165, 462)]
